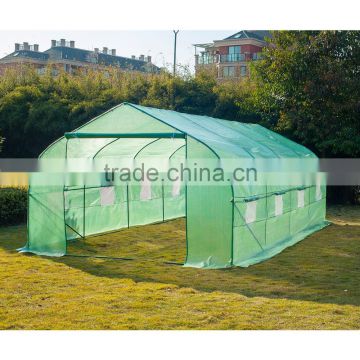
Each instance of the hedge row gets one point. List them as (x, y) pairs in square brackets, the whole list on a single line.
[(13, 206)]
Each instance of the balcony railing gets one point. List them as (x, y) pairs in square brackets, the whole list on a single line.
[(213, 59), (208, 59), (232, 58)]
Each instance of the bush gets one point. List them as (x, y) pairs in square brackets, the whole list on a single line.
[(13, 206), (348, 195)]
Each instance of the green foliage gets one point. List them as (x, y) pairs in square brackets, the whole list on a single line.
[(307, 87), (36, 110), (233, 101), (13, 206)]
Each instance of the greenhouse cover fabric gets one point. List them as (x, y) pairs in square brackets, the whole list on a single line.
[(234, 138), (222, 230)]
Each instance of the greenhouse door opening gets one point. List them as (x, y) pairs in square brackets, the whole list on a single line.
[(102, 210)]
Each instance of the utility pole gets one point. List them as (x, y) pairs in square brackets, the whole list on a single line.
[(175, 38)]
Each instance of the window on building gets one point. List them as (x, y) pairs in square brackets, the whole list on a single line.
[(228, 71), (234, 49), (234, 53), (243, 70)]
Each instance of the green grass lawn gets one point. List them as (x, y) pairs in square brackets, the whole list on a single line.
[(312, 285)]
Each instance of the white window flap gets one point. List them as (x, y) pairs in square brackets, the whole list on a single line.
[(107, 196), (145, 192), (250, 214), (278, 205), (318, 194), (66, 200), (301, 198), (176, 187)]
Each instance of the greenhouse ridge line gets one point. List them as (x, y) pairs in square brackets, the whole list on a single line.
[(76, 135)]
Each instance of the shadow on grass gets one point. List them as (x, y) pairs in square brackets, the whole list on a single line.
[(323, 268)]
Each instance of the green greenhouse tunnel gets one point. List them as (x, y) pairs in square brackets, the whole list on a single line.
[(226, 225)]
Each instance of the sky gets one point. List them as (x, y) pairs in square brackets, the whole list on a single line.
[(158, 44)]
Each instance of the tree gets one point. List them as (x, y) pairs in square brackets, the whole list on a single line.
[(307, 87)]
